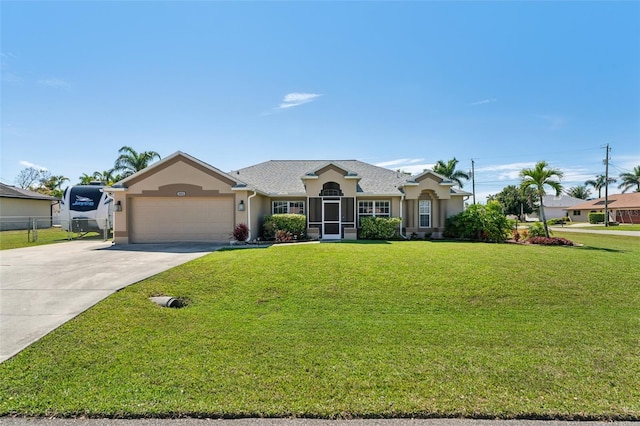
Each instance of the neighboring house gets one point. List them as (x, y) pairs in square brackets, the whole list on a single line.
[(555, 207), (19, 207), (181, 198), (623, 208)]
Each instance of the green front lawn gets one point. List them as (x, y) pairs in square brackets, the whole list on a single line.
[(355, 329), (25, 238), (620, 227)]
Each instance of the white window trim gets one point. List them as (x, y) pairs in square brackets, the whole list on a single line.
[(373, 213), (289, 202), (421, 214)]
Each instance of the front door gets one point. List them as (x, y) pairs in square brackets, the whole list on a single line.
[(331, 220)]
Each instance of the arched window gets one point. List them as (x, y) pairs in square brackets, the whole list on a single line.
[(331, 189)]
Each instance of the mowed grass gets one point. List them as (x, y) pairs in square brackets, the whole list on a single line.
[(421, 329), (620, 227), (23, 238)]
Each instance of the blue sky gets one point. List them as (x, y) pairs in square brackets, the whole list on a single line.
[(398, 84)]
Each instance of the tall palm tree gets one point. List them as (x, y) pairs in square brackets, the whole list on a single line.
[(449, 171), (580, 191), (539, 177), (130, 161), (629, 180), (599, 182)]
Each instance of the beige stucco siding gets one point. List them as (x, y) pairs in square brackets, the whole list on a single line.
[(331, 174), (24, 207), (180, 172), (198, 201), (15, 213)]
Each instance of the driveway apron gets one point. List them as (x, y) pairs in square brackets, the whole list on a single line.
[(45, 286)]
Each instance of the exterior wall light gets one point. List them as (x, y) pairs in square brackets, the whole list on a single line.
[(118, 206), (241, 206)]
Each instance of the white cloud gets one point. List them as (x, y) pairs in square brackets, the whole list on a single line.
[(575, 175), (400, 161), (295, 99), (408, 165), (30, 164), (53, 82), (483, 101), (504, 171)]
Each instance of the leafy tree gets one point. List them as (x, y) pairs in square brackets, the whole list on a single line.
[(515, 201), (580, 191), (539, 177), (28, 177), (130, 161), (599, 182), (41, 181), (629, 180), (52, 184), (449, 171)]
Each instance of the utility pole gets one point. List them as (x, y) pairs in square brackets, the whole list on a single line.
[(473, 179), (606, 187)]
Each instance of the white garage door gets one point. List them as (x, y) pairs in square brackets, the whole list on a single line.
[(155, 220)]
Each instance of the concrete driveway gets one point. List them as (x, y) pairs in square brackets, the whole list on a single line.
[(43, 287)]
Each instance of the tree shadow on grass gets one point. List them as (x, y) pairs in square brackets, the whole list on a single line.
[(608, 250)]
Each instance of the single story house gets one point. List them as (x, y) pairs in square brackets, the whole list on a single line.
[(623, 208), (181, 198), (19, 207), (555, 206)]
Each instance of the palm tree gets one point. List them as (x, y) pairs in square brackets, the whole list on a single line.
[(107, 177), (539, 177), (629, 180), (599, 183), (86, 179), (449, 171), (52, 185), (580, 191), (130, 161)]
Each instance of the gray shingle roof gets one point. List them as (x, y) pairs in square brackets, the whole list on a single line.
[(560, 201), (285, 176), (9, 191)]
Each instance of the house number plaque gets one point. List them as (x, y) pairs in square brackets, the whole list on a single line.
[(181, 193)]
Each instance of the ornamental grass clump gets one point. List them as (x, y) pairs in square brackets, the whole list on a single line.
[(240, 232)]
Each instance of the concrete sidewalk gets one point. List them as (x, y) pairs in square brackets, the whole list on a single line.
[(45, 286)]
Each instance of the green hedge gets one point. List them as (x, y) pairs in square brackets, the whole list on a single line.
[(379, 228), (479, 223), (596, 217), (285, 227)]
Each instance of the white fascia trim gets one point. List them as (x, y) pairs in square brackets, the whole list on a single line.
[(284, 195), (248, 188), (111, 189), (377, 194)]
